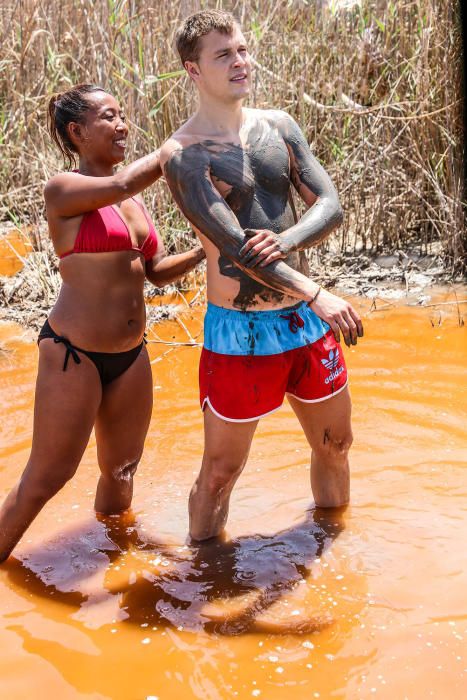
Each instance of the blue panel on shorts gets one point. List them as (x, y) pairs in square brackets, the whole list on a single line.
[(231, 332)]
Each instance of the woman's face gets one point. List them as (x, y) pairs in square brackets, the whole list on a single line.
[(102, 135)]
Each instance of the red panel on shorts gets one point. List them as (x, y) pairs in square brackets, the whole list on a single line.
[(245, 387)]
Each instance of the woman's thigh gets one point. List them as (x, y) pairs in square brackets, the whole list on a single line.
[(65, 408), (124, 414)]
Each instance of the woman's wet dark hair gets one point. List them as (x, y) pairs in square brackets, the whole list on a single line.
[(66, 107)]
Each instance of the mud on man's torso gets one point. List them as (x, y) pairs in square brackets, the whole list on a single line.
[(254, 179)]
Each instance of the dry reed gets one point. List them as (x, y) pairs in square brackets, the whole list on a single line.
[(375, 87)]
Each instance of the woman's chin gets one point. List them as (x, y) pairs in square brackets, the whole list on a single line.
[(119, 159)]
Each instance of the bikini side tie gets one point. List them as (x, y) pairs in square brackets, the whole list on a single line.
[(70, 350)]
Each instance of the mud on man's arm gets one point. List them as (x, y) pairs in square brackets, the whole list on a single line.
[(187, 171), (314, 187)]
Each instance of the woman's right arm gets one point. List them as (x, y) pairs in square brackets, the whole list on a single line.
[(71, 194)]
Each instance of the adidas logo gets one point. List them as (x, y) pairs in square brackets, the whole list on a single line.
[(332, 361)]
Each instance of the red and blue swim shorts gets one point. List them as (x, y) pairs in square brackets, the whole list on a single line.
[(251, 359)]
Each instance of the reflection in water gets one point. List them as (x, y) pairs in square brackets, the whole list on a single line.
[(183, 586), (121, 609)]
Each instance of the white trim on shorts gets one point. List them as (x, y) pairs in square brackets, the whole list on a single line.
[(324, 398), (207, 401)]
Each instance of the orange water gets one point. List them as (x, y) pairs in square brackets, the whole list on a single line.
[(291, 605), (14, 245)]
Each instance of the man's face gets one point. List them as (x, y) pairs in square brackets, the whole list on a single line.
[(223, 69)]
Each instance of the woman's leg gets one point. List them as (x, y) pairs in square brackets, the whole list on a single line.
[(121, 426), (65, 408)]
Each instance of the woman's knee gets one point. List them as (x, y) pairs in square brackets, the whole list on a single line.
[(120, 473), (42, 486)]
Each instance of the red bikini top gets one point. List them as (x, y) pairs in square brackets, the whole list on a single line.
[(104, 231)]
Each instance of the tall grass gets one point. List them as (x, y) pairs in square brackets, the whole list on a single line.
[(375, 87)]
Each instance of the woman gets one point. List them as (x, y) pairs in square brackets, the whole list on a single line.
[(94, 369)]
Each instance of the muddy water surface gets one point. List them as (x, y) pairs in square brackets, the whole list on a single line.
[(14, 245), (294, 604)]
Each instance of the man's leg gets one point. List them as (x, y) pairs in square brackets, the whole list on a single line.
[(327, 427), (226, 448)]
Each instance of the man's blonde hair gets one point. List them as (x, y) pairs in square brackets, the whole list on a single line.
[(198, 25)]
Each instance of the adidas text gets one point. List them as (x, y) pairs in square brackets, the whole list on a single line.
[(333, 375)]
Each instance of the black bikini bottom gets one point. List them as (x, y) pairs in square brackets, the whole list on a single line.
[(110, 365)]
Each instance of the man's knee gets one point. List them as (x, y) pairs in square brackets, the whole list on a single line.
[(220, 473), (334, 446)]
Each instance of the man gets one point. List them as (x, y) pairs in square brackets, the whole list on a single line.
[(229, 169)]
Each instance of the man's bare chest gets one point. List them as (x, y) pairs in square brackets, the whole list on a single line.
[(261, 165)]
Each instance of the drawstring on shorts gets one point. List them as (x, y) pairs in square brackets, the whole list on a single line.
[(295, 321)]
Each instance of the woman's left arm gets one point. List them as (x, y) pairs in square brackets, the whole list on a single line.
[(163, 269)]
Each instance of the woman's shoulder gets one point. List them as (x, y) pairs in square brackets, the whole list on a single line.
[(55, 185)]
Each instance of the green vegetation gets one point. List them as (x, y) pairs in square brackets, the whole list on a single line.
[(376, 88)]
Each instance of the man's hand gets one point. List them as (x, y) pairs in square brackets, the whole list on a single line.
[(340, 315), (262, 248)]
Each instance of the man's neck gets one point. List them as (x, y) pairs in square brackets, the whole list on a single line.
[(215, 118)]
